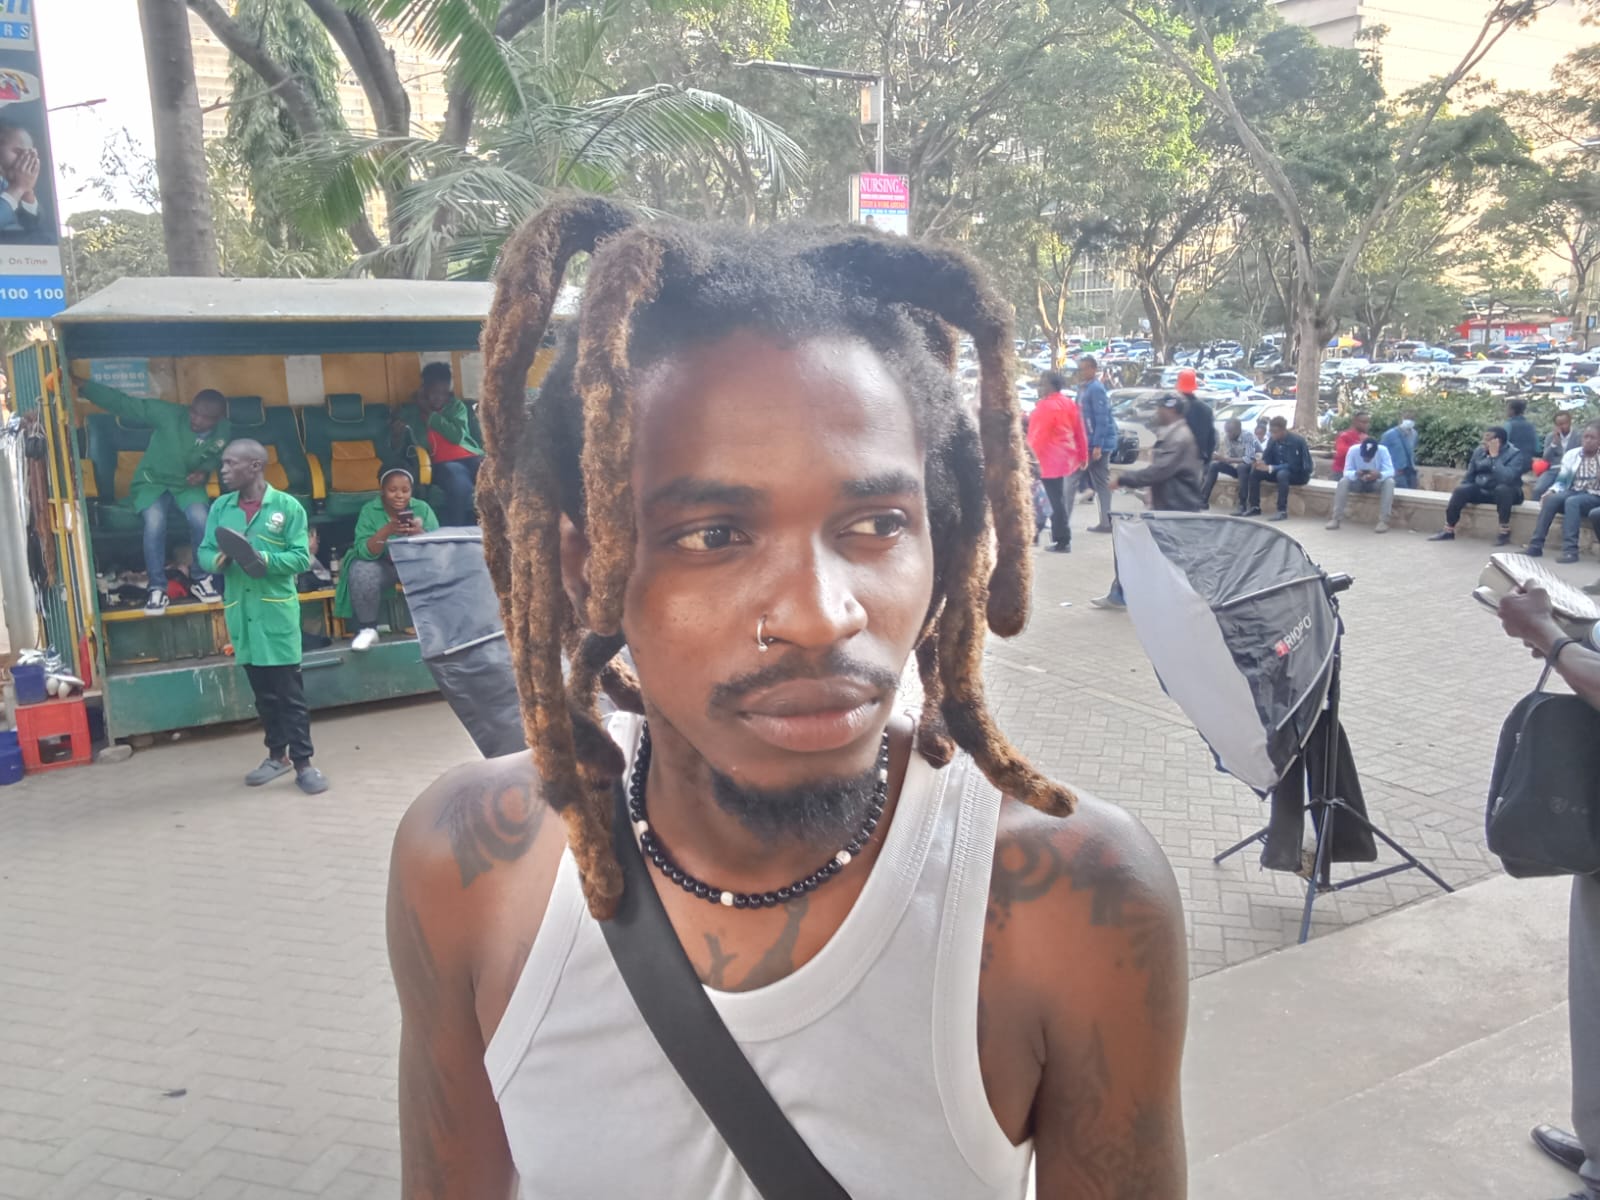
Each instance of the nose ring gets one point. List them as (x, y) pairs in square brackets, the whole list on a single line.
[(763, 642)]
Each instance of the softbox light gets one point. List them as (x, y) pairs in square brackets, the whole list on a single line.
[(1241, 631), (457, 616)]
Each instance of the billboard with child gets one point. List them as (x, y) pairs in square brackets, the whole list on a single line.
[(31, 283)]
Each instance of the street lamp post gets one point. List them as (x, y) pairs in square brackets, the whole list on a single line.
[(875, 95)]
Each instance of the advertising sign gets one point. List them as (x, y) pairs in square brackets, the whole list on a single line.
[(31, 284), (131, 375), (882, 201)]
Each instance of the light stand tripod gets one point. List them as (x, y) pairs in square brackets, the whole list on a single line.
[(1328, 806)]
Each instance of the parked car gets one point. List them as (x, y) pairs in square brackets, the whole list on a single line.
[(1285, 383), (1225, 381), (1247, 410)]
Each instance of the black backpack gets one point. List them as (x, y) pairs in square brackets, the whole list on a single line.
[(1543, 814)]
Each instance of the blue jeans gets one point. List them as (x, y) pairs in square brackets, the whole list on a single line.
[(1572, 508), (458, 479), (1405, 477), (155, 535)]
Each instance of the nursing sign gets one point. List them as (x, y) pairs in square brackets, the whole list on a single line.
[(31, 283), (882, 201)]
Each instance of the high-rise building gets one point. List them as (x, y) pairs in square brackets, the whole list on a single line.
[(1424, 39), (421, 71)]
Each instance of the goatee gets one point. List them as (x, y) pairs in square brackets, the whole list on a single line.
[(825, 813)]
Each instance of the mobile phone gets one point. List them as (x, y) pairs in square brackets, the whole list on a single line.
[(406, 516)]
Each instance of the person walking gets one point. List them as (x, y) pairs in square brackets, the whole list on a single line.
[(262, 608), (1173, 476), (1058, 440), (1094, 402), (1201, 417), (1526, 615)]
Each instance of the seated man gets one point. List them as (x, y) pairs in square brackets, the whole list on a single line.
[(1562, 439), (1349, 439), (185, 447), (445, 430), (1493, 476), (1286, 460), (1234, 455), (1401, 443), (1367, 468), (1574, 492)]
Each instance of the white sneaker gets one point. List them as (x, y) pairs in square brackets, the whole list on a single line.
[(157, 602), (365, 640), (205, 591)]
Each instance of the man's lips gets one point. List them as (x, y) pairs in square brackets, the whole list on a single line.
[(806, 697), (810, 716)]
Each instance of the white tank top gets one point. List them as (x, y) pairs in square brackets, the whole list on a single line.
[(870, 1048)]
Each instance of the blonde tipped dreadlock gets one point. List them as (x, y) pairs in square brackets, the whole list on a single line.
[(653, 289)]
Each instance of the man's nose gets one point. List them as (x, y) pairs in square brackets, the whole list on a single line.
[(812, 603)]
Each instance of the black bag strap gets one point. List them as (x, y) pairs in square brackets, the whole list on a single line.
[(689, 1030)]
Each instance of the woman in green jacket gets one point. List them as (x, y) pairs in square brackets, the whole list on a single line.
[(368, 571)]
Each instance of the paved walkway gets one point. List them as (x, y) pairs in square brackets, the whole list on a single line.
[(193, 984)]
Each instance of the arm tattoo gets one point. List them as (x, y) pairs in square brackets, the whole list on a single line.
[(494, 823), (1026, 868), (426, 1116), (1105, 1155)]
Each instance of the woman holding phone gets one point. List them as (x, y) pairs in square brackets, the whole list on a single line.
[(368, 571)]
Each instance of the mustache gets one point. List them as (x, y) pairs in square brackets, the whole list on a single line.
[(835, 664)]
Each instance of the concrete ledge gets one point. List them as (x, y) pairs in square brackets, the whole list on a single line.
[(1405, 1057), (1414, 509)]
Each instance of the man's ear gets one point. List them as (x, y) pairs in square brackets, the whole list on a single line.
[(574, 564)]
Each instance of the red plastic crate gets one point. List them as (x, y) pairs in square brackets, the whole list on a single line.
[(52, 722)]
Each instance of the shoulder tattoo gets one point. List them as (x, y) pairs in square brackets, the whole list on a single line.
[(490, 821)]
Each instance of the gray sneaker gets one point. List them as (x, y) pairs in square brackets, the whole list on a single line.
[(1279, 516), (311, 781), (269, 770), (1333, 524), (1381, 527)]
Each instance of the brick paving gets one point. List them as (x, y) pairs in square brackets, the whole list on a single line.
[(194, 996)]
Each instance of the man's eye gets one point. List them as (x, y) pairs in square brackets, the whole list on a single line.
[(880, 525), (716, 537)]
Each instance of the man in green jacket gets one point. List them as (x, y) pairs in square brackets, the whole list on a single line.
[(185, 446), (445, 431), (262, 611)]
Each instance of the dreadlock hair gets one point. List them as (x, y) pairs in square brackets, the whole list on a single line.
[(656, 288)]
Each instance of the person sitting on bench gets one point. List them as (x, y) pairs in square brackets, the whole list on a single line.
[(1286, 460), (444, 428), (1235, 453), (186, 444), (1367, 468), (1493, 476), (368, 571), (1573, 495)]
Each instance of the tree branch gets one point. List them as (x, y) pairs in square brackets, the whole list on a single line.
[(296, 103), (461, 105)]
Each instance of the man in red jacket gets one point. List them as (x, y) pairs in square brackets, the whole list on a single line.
[(1058, 440), (1354, 436)]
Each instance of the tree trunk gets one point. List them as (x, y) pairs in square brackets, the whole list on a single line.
[(180, 148), (1310, 336)]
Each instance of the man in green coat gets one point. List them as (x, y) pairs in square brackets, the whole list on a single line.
[(185, 446), (262, 610), (444, 429)]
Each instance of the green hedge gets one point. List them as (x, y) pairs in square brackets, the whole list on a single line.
[(1450, 425)]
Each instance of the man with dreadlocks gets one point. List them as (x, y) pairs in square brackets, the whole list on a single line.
[(750, 466)]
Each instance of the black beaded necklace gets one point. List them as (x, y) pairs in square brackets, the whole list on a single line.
[(653, 850)]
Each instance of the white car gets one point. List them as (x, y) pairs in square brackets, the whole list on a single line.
[(1225, 381), (1247, 410)]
